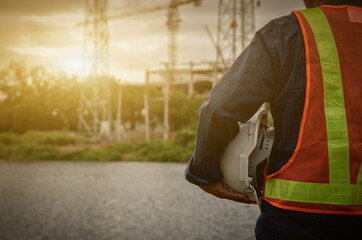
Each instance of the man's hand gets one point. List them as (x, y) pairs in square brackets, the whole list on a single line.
[(221, 190)]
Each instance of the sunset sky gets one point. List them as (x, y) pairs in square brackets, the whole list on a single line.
[(43, 32)]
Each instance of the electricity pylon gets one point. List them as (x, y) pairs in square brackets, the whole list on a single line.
[(95, 115), (96, 49), (235, 29)]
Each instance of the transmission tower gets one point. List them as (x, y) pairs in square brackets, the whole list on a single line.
[(235, 29), (95, 105)]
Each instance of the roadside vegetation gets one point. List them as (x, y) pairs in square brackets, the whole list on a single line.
[(39, 119), (33, 146), (39, 116), (34, 99)]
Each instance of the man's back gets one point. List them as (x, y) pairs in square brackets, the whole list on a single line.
[(272, 69)]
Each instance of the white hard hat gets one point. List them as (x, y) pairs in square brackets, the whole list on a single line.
[(246, 155)]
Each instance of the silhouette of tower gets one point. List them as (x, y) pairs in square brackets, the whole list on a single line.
[(235, 29), (95, 116)]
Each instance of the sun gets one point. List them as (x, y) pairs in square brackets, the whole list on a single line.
[(73, 63)]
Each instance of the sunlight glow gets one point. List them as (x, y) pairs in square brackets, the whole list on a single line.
[(38, 50), (73, 63)]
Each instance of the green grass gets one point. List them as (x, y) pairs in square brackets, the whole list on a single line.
[(40, 138), (9, 138), (33, 146), (161, 151)]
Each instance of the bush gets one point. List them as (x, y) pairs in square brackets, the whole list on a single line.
[(71, 156), (92, 155), (184, 111), (9, 138), (5, 151), (162, 151), (39, 146), (186, 138), (176, 154), (34, 152), (125, 147), (39, 138)]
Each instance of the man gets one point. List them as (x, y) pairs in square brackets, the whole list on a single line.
[(307, 65)]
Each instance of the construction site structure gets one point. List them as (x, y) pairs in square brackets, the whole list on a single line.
[(95, 115), (235, 30), (173, 22), (236, 26), (95, 111)]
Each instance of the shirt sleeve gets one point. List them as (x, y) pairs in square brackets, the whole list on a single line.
[(248, 83)]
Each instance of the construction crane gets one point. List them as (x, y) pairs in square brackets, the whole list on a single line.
[(173, 22), (94, 113), (95, 110), (236, 27)]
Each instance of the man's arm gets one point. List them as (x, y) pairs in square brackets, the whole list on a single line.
[(247, 84)]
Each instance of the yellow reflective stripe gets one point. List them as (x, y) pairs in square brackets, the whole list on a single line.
[(325, 193), (335, 112)]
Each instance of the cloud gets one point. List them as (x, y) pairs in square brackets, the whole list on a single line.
[(41, 51), (121, 45), (24, 31), (40, 7)]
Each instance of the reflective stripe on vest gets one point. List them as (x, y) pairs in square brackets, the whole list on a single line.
[(281, 189)]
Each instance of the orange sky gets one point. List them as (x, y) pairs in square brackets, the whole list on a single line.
[(42, 32)]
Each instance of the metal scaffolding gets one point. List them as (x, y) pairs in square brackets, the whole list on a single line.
[(186, 76), (235, 28), (95, 106), (95, 118)]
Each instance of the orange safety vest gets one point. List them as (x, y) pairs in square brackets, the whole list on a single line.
[(324, 174)]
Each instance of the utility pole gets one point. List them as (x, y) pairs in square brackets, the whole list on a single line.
[(190, 89), (173, 23), (166, 98), (120, 132), (147, 108), (95, 115)]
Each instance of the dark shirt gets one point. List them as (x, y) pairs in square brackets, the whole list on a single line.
[(271, 69)]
